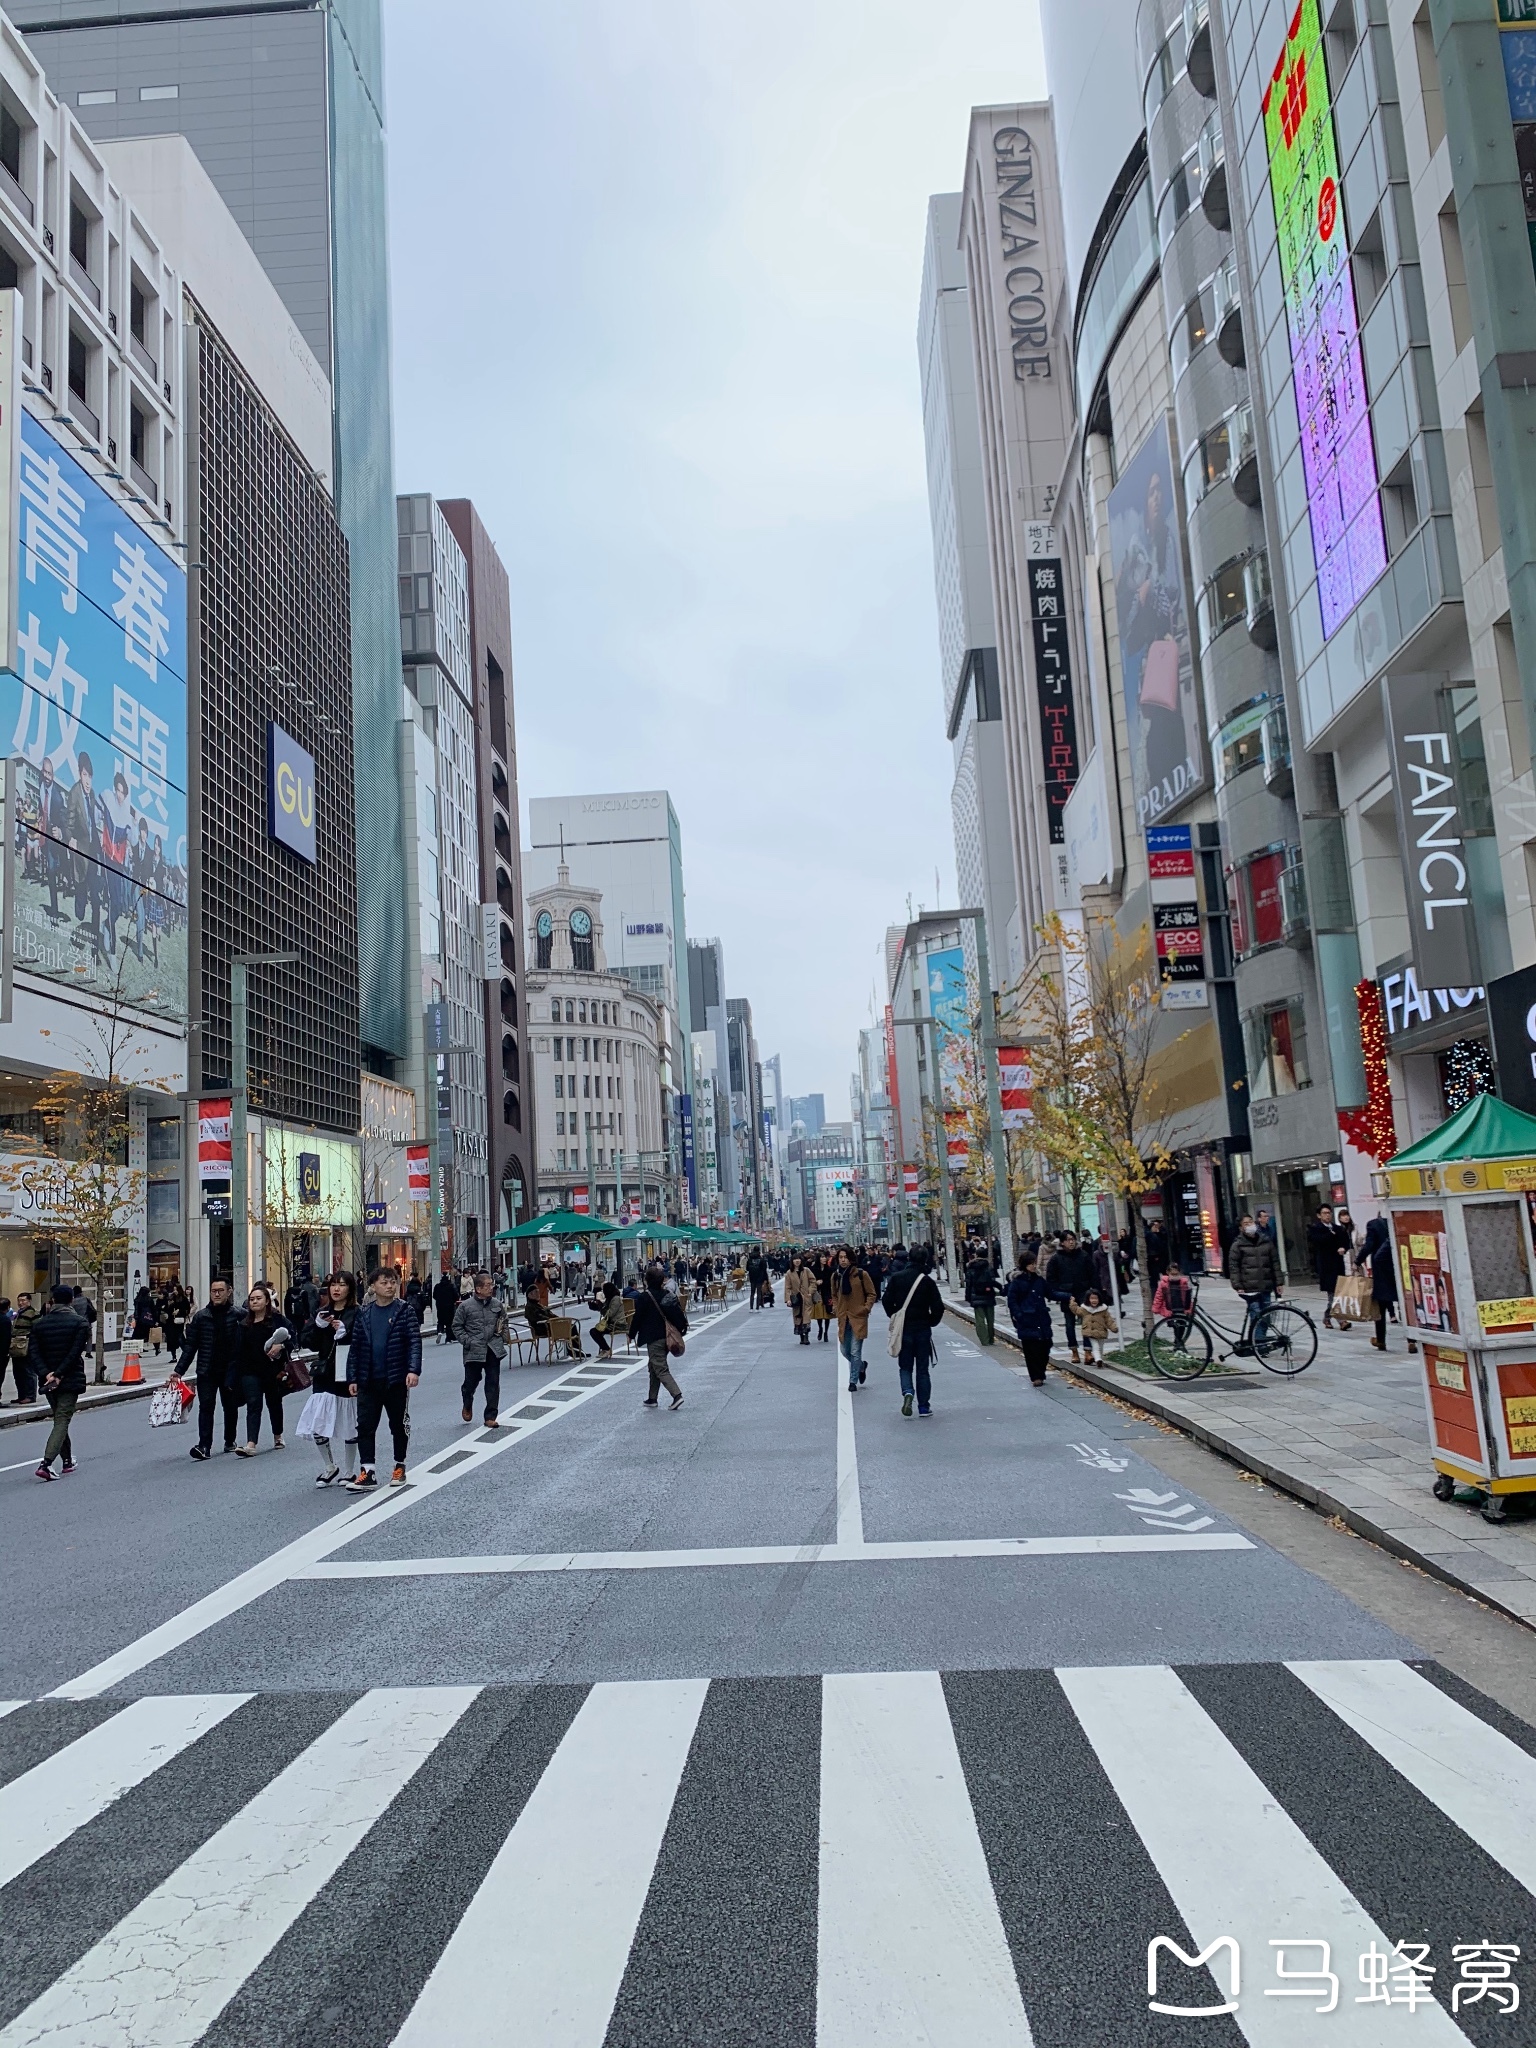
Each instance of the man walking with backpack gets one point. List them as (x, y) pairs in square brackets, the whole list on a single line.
[(384, 1363)]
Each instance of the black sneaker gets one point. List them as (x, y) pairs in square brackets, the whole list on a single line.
[(66, 1468), (199, 1453), (365, 1482), (906, 1404), (43, 1472), (328, 1478)]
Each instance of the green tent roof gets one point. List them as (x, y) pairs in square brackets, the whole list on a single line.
[(558, 1223), (1486, 1129)]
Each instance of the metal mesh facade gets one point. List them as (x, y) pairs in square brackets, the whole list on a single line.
[(271, 626)]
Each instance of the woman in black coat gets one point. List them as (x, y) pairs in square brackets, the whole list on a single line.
[(264, 1340), (1030, 1308), (1324, 1243), (1377, 1259)]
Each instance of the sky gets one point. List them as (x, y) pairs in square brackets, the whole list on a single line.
[(655, 268)]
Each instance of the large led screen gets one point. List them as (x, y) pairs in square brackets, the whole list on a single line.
[(1338, 456)]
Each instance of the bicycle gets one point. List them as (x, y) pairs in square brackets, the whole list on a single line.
[(1282, 1337)]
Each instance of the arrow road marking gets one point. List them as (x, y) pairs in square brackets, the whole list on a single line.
[(1144, 1497), (1102, 1459), (1158, 1510)]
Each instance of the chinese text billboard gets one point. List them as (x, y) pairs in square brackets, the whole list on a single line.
[(94, 716), (1349, 544)]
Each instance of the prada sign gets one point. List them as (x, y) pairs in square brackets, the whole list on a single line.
[(1436, 877)]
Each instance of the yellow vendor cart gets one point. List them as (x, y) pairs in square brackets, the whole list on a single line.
[(1462, 1204)]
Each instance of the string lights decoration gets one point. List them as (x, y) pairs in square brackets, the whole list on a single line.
[(1370, 1129), (1468, 1073)]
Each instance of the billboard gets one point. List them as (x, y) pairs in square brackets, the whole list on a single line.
[(290, 793), (1162, 712), (1349, 543), (1053, 678), (94, 717)]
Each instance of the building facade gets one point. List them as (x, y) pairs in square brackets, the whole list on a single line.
[(711, 1041), (598, 1078)]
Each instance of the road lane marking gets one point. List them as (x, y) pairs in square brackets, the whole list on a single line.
[(168, 1968), (547, 1936), (850, 1505), (250, 1585), (1235, 1863), (44, 1805), (897, 1827), (768, 1554), (1475, 1775)]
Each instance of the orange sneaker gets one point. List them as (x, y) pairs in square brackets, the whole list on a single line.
[(397, 1477)]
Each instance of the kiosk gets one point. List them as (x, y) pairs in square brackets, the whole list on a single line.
[(1462, 1203)]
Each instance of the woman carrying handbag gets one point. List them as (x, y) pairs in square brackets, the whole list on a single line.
[(330, 1413), (660, 1325)]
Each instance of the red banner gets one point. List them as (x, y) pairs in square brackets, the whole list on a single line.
[(1016, 1090), (418, 1169), (215, 1146), (581, 1201)]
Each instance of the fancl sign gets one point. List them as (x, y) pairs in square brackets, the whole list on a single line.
[(290, 794), (1408, 1005), (1431, 832)]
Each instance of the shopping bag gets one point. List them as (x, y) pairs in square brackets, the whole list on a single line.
[(1352, 1298), (169, 1403), (156, 1335), (319, 1417)]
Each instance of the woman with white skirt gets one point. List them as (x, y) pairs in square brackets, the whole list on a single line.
[(330, 1413)]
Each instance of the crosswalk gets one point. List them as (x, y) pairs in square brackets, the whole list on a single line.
[(917, 1859)]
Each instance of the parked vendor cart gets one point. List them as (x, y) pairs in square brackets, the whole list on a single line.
[(1462, 1202)]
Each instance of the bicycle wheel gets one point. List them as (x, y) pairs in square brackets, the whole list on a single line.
[(1179, 1347), (1285, 1339)]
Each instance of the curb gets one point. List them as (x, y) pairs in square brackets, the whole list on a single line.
[(1132, 1394), (94, 1397)]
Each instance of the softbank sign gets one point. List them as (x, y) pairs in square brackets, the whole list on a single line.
[(1429, 816)]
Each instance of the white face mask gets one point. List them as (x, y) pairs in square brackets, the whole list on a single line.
[(1250, 1230)]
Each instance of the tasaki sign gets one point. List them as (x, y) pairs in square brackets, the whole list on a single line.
[(290, 793)]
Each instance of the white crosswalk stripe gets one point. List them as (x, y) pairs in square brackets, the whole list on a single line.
[(72, 1786), (568, 1900)]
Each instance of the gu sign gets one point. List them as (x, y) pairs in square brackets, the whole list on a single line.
[(1431, 833), (290, 794)]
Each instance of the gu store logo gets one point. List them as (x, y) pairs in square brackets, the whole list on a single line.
[(95, 712)]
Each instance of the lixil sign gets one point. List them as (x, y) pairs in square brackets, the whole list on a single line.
[(290, 793)]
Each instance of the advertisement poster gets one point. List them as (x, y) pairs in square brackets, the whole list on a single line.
[(1053, 685), (1014, 1075), (947, 1005), (1338, 457), (1167, 761), (1428, 1298), (94, 717)]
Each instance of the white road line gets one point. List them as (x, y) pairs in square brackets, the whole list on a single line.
[(1475, 1775), (912, 1952), (25, 1464), (850, 1505), (1236, 1864), (11, 1706), (69, 1788), (768, 1553), (166, 1971), (543, 1946), (293, 1558)]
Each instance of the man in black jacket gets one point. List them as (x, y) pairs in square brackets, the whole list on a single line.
[(56, 1354), (384, 1364), (981, 1289), (913, 1287), (445, 1299), (1068, 1277), (213, 1342)]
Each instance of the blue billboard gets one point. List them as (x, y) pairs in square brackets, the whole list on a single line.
[(94, 718)]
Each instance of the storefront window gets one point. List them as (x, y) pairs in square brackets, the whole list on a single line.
[(1277, 1051), (1240, 741)]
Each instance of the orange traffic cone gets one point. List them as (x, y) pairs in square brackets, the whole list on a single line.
[(133, 1375)]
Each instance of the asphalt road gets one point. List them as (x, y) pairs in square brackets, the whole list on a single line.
[(777, 1718)]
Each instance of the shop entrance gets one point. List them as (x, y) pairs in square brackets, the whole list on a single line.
[(1300, 1191)]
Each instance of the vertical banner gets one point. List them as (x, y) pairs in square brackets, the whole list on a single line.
[(490, 942), (690, 1167), (1163, 711), (909, 1182), (10, 468), (1517, 46), (581, 1199), (1016, 1087), (1441, 916), (215, 1143), (418, 1172), (1053, 676)]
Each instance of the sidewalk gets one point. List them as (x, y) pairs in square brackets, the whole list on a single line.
[(1348, 1436)]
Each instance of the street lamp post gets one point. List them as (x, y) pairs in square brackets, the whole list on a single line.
[(946, 1213), (239, 1153)]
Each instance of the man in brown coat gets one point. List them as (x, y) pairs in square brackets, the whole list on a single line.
[(854, 1294)]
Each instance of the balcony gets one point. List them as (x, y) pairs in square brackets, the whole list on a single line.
[(1229, 316), (1295, 918), (1213, 176), (1198, 60), (1275, 745), (80, 416), (1245, 458), (143, 358), (1259, 603), (141, 479), (10, 185), (508, 1001), (86, 282)]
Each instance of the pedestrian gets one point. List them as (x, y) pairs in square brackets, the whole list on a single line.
[(385, 1363), (799, 1288), (213, 1342), (445, 1299), (981, 1292), (56, 1353), (23, 1316), (757, 1277), (1068, 1276), (416, 1296), (660, 1325), (1253, 1268), (610, 1320), (1029, 1307), (913, 1294), (1265, 1219), (83, 1306), (175, 1308), (821, 1306), (853, 1296), (480, 1325), (329, 1335), (1324, 1243), (1376, 1258), (1095, 1321), (1157, 1252), (265, 1339), (143, 1313), (301, 1301)]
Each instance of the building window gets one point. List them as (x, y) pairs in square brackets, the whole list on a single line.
[(80, 237), (10, 142), (1240, 739), (164, 1135), (543, 946), (1277, 1051), (570, 1015), (559, 1087)]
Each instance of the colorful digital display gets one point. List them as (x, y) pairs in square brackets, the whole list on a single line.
[(1349, 543)]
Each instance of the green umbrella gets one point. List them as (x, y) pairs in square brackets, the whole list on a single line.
[(558, 1223)]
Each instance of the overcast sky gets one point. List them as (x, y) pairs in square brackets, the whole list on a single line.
[(655, 271)]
